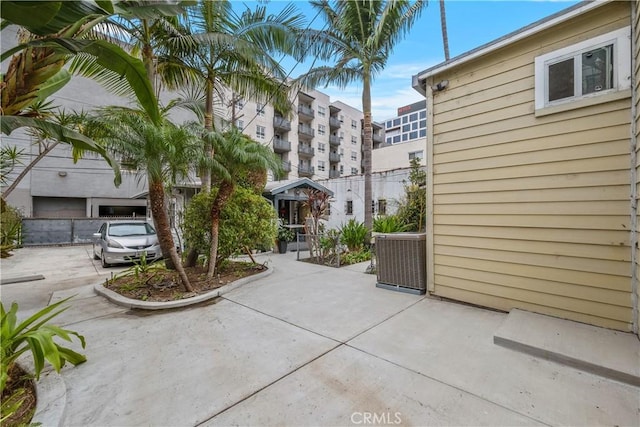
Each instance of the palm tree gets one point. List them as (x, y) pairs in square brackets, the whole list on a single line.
[(162, 152), (237, 157), (217, 49), (443, 26), (360, 35)]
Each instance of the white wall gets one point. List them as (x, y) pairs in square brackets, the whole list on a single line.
[(396, 156), (388, 185)]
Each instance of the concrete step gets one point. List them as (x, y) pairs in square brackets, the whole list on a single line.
[(608, 353)]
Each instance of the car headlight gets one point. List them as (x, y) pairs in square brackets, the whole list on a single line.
[(114, 244)]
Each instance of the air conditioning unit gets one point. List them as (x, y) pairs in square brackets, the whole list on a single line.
[(401, 262)]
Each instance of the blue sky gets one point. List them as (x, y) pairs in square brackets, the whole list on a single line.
[(469, 23)]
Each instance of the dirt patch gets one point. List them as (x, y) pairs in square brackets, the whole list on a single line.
[(19, 386), (159, 285)]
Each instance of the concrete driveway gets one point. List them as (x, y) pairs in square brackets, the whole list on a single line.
[(307, 345)]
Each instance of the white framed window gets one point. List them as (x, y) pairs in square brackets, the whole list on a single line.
[(382, 206), (354, 155), (321, 111), (341, 136), (260, 109), (260, 132), (321, 147), (240, 124), (354, 124), (321, 129), (354, 139), (341, 118), (240, 104), (416, 155), (342, 152), (341, 169), (321, 165), (584, 70), (354, 171), (349, 207)]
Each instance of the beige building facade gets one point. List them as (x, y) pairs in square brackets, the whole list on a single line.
[(532, 186)]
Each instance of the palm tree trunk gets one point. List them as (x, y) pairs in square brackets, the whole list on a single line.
[(159, 213), (443, 25), (27, 169), (368, 147), (224, 193)]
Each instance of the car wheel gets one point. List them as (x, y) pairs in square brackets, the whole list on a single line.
[(96, 257), (104, 262)]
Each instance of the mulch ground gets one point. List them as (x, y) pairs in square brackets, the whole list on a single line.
[(19, 380), (165, 285)]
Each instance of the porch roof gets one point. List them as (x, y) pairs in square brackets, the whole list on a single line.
[(277, 187)]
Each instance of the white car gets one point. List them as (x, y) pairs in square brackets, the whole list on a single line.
[(123, 241)]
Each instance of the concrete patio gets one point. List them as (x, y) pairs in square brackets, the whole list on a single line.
[(312, 345)]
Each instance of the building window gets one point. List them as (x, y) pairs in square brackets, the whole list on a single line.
[(321, 147), (260, 132), (341, 152), (341, 169), (354, 171), (405, 137), (349, 207), (406, 128), (423, 124), (354, 139), (240, 124), (423, 114), (584, 70), (321, 165), (341, 118), (382, 207), (396, 122), (321, 129), (396, 139), (405, 119), (321, 111), (423, 132), (260, 109), (354, 155), (389, 124), (354, 124), (416, 155), (341, 136), (240, 104), (413, 135), (413, 117)]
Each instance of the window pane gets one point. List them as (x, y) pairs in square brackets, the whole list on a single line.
[(561, 80), (597, 70)]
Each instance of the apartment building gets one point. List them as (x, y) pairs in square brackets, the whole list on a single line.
[(318, 139), (404, 139)]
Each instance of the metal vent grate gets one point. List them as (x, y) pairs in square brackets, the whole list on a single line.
[(402, 262)]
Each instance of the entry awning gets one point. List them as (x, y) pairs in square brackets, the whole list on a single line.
[(289, 187)]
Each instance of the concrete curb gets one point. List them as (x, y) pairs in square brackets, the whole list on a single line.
[(118, 299), (51, 394)]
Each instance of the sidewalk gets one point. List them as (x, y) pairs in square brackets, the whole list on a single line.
[(307, 345)]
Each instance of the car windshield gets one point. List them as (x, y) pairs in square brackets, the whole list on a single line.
[(130, 229)]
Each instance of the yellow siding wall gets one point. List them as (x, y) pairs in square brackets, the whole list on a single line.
[(636, 129), (532, 212)]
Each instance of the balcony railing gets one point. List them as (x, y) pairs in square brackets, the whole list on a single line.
[(306, 111), (281, 123), (334, 174), (281, 146), (334, 157), (334, 140), (305, 150), (307, 131), (334, 123), (377, 138), (305, 170)]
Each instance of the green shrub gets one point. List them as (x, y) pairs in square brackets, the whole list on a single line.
[(389, 224), (354, 235), (10, 228), (247, 221), (355, 257), (412, 210)]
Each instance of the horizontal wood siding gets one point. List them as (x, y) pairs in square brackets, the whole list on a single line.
[(533, 212), (636, 100)]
